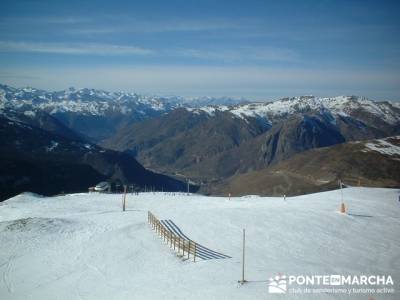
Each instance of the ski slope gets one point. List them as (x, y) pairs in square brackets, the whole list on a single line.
[(82, 246)]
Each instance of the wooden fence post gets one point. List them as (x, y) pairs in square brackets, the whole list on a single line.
[(172, 240)]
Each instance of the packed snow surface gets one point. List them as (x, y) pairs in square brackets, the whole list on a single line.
[(82, 246)]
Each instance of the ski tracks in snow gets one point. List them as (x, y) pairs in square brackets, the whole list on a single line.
[(6, 273), (8, 267)]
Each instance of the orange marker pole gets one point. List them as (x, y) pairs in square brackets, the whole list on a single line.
[(343, 208)]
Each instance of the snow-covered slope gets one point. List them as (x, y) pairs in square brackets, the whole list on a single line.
[(83, 246), (389, 146)]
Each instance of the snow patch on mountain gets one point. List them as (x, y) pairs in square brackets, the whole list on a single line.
[(30, 113), (388, 146), (209, 110), (52, 146)]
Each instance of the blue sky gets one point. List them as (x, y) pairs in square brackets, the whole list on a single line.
[(253, 49)]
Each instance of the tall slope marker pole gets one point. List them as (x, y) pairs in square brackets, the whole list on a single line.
[(243, 257)]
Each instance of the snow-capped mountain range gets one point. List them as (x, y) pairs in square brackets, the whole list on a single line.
[(94, 102), (101, 114), (341, 105), (98, 102), (220, 141)]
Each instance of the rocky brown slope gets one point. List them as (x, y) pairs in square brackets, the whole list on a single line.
[(373, 163)]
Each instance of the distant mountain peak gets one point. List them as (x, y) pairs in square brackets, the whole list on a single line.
[(96, 102), (335, 106)]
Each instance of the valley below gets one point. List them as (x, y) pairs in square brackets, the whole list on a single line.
[(68, 141)]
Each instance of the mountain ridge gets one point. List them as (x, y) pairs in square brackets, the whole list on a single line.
[(267, 135), (48, 162), (373, 163), (97, 114), (207, 144)]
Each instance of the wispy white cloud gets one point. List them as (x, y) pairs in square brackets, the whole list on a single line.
[(73, 48), (104, 24), (45, 20), (241, 54), (112, 24), (10, 75)]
